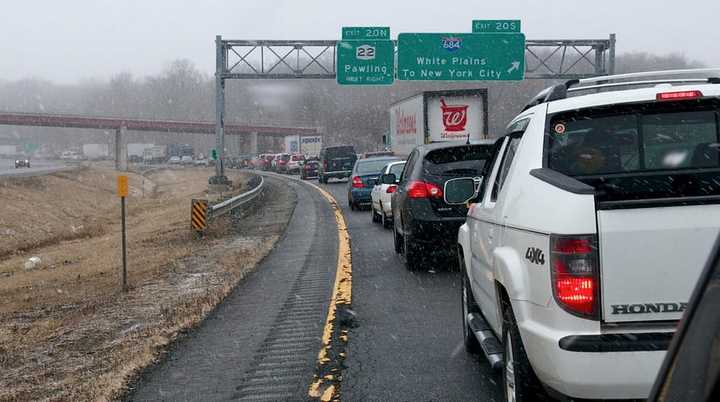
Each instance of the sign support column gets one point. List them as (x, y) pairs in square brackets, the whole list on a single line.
[(122, 189), (219, 177)]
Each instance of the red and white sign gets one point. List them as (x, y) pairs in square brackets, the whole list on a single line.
[(452, 118)]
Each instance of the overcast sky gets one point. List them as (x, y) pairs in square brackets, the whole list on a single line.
[(70, 40)]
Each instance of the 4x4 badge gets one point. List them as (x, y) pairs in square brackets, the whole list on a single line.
[(535, 255)]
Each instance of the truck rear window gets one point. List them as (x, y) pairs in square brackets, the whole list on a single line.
[(340, 152), (584, 144), (639, 151)]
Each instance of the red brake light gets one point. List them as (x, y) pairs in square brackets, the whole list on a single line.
[(575, 274), (422, 189), (357, 182), (679, 95), (572, 246), (391, 189)]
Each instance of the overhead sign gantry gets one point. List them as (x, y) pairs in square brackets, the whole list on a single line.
[(495, 50)]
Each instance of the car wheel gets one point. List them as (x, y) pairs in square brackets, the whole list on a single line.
[(386, 222), (410, 252), (468, 305), (375, 216), (397, 241), (520, 383)]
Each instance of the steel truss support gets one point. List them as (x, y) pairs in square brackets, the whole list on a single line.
[(315, 59)]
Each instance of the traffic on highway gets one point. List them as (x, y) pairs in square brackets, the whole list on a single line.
[(395, 202)]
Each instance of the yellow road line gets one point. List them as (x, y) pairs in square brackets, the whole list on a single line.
[(324, 386)]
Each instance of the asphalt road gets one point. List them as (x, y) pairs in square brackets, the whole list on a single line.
[(261, 343), (407, 345), (38, 167)]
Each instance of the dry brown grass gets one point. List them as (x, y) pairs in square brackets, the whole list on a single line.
[(68, 332)]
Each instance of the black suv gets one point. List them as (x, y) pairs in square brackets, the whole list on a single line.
[(425, 225), (337, 162)]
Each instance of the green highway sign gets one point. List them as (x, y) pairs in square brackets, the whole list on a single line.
[(461, 57), (365, 62), (495, 26), (353, 33)]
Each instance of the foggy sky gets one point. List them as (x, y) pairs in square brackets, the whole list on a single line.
[(72, 40)]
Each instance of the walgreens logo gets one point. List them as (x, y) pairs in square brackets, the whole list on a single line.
[(405, 123), (454, 116)]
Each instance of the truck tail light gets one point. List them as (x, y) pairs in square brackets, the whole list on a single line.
[(678, 95), (423, 189), (575, 274), (357, 182), (391, 189)]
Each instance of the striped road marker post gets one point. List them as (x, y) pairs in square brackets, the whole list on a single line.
[(198, 215)]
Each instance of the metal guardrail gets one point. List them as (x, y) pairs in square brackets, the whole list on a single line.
[(244, 198), (201, 214)]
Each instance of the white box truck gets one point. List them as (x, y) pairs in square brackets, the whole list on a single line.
[(292, 145), (437, 116), (311, 145), (8, 150), (95, 151)]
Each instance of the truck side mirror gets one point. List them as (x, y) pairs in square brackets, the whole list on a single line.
[(460, 191), (388, 178)]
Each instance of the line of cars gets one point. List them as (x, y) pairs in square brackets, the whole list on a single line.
[(288, 163), (579, 233)]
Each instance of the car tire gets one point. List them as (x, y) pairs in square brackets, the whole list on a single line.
[(468, 305), (410, 254), (397, 241), (351, 204), (516, 365), (373, 214), (386, 222)]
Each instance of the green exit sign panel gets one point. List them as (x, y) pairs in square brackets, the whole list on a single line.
[(495, 26), (461, 57), (365, 62), (357, 33)]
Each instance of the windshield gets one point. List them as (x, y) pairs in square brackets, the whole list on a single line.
[(397, 169), (457, 161), (371, 166)]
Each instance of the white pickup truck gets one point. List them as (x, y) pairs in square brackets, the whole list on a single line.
[(587, 233)]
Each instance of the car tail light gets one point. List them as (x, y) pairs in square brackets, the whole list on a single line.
[(423, 189), (575, 274), (357, 182), (391, 189), (679, 95)]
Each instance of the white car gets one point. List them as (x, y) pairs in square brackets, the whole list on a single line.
[(186, 160), (174, 160), (382, 192), (295, 163), (586, 235)]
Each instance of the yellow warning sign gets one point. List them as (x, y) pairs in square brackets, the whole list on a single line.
[(122, 186), (198, 215)]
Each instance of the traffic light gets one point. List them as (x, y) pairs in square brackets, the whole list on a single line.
[(214, 154)]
